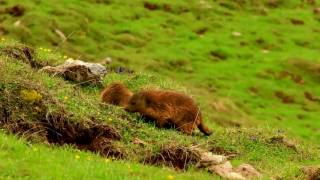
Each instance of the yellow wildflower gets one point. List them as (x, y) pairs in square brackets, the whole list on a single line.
[(170, 177), (77, 157), (30, 95)]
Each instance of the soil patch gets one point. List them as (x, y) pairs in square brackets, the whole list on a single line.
[(58, 129), (23, 53), (31, 119), (16, 10), (221, 151), (174, 156)]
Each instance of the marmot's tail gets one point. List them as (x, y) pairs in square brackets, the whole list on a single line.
[(204, 129)]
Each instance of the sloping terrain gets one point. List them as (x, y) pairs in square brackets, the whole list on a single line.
[(253, 68)]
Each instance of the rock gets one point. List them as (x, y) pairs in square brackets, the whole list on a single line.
[(219, 165), (95, 68), (17, 23), (204, 4), (139, 142), (221, 169), (225, 170), (248, 171), (78, 71), (236, 34), (234, 175), (208, 159), (106, 61)]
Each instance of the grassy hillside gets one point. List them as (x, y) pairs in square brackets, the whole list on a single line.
[(252, 66)]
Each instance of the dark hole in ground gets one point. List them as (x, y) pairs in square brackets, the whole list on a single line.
[(16, 10), (219, 54), (150, 6), (58, 129), (286, 99), (178, 157)]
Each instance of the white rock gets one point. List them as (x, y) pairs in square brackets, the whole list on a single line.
[(212, 159), (236, 34), (247, 171), (221, 169), (78, 71), (225, 170), (95, 68), (234, 175)]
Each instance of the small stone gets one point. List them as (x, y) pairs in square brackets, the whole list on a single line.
[(247, 171), (139, 142), (221, 169), (95, 68), (236, 34), (234, 175), (17, 23), (107, 60), (208, 158)]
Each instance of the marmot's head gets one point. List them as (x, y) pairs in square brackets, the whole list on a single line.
[(136, 103)]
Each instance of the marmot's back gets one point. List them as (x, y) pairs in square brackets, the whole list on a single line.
[(168, 107)]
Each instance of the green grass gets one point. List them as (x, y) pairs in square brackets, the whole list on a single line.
[(191, 48), (252, 145), (167, 43), (20, 160)]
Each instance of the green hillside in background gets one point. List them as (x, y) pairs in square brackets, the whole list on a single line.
[(253, 67)]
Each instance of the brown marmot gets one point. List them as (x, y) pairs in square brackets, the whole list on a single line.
[(117, 94), (168, 107)]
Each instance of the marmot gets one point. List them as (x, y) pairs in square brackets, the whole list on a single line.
[(116, 94), (168, 107)]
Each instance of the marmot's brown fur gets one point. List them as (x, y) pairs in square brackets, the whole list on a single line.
[(116, 94), (168, 107)]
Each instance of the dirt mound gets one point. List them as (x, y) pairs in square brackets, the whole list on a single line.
[(174, 156), (22, 53), (24, 112), (58, 129)]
